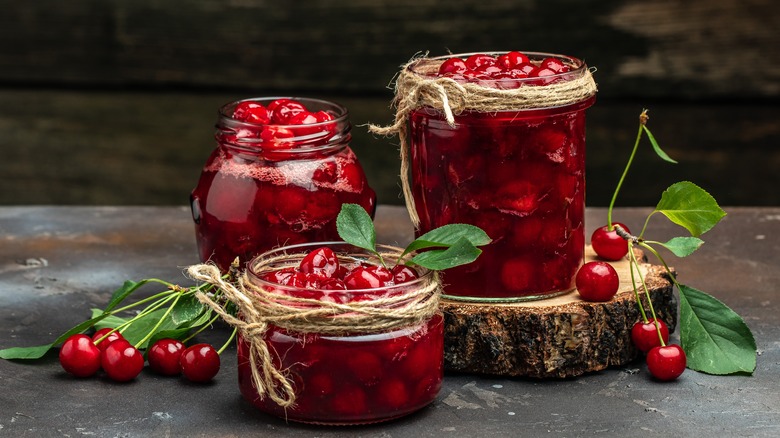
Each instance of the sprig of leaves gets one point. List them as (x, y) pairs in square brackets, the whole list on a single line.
[(715, 338), (445, 247), (173, 313)]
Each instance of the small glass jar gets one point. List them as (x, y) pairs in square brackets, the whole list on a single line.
[(354, 377), (269, 185), (517, 174)]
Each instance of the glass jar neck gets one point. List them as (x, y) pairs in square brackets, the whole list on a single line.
[(295, 141)]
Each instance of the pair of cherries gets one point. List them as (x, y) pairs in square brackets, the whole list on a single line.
[(83, 356), (598, 281)]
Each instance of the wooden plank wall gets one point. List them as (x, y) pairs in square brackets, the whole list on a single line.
[(113, 102)]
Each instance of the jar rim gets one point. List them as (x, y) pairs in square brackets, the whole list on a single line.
[(342, 113), (301, 249)]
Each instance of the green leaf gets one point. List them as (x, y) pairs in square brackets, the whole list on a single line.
[(460, 253), (691, 207), (656, 147), (355, 226), (123, 292), (186, 309), (715, 339), (683, 246), (110, 321), (39, 351), (448, 235)]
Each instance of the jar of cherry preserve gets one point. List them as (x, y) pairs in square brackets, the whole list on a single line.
[(344, 340), (280, 172), (497, 140)]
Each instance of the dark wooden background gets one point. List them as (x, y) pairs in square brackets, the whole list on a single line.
[(114, 102)]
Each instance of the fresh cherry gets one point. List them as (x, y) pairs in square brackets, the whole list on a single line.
[(597, 281), (252, 112), (608, 244), (666, 363), (79, 356), (644, 335), (164, 356), (322, 261), (200, 363), (101, 334), (121, 361), (452, 66), (475, 61), (403, 274), (362, 278)]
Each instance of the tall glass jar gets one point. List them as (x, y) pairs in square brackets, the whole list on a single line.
[(516, 172), (268, 184), (366, 371)]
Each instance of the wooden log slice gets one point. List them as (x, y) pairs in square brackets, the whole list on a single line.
[(552, 338)]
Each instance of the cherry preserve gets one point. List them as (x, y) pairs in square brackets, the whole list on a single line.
[(280, 172), (519, 174), (357, 376)]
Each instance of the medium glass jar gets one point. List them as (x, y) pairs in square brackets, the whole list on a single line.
[(267, 185), (358, 376), (519, 174)]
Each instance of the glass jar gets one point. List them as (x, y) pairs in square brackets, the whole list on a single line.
[(519, 174), (354, 377), (269, 185)]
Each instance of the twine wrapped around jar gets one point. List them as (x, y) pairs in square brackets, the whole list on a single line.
[(260, 306), (417, 86)]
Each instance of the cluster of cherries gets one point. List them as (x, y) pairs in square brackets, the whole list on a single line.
[(282, 123), (320, 276), (598, 281), (503, 71), (83, 356)]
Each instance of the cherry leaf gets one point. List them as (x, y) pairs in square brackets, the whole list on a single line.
[(459, 253), (355, 226), (448, 235), (683, 246), (691, 207), (716, 340), (656, 147)]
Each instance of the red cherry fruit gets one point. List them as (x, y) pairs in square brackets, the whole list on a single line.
[(554, 64), (121, 361), (79, 356), (392, 394), (303, 118), (597, 281), (644, 335), (251, 112), (478, 60), (510, 60), (164, 357), (362, 278), (100, 334), (607, 244), (199, 363), (527, 68), (452, 66), (666, 363), (284, 112), (321, 261), (403, 274), (273, 105), (489, 70), (382, 273)]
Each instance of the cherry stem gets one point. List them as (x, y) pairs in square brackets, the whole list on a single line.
[(229, 340), (633, 284), (633, 264), (672, 277), (642, 121), (162, 318)]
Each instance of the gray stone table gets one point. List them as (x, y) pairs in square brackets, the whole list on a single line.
[(58, 262)]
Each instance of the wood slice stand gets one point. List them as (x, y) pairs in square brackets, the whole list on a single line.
[(553, 338)]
